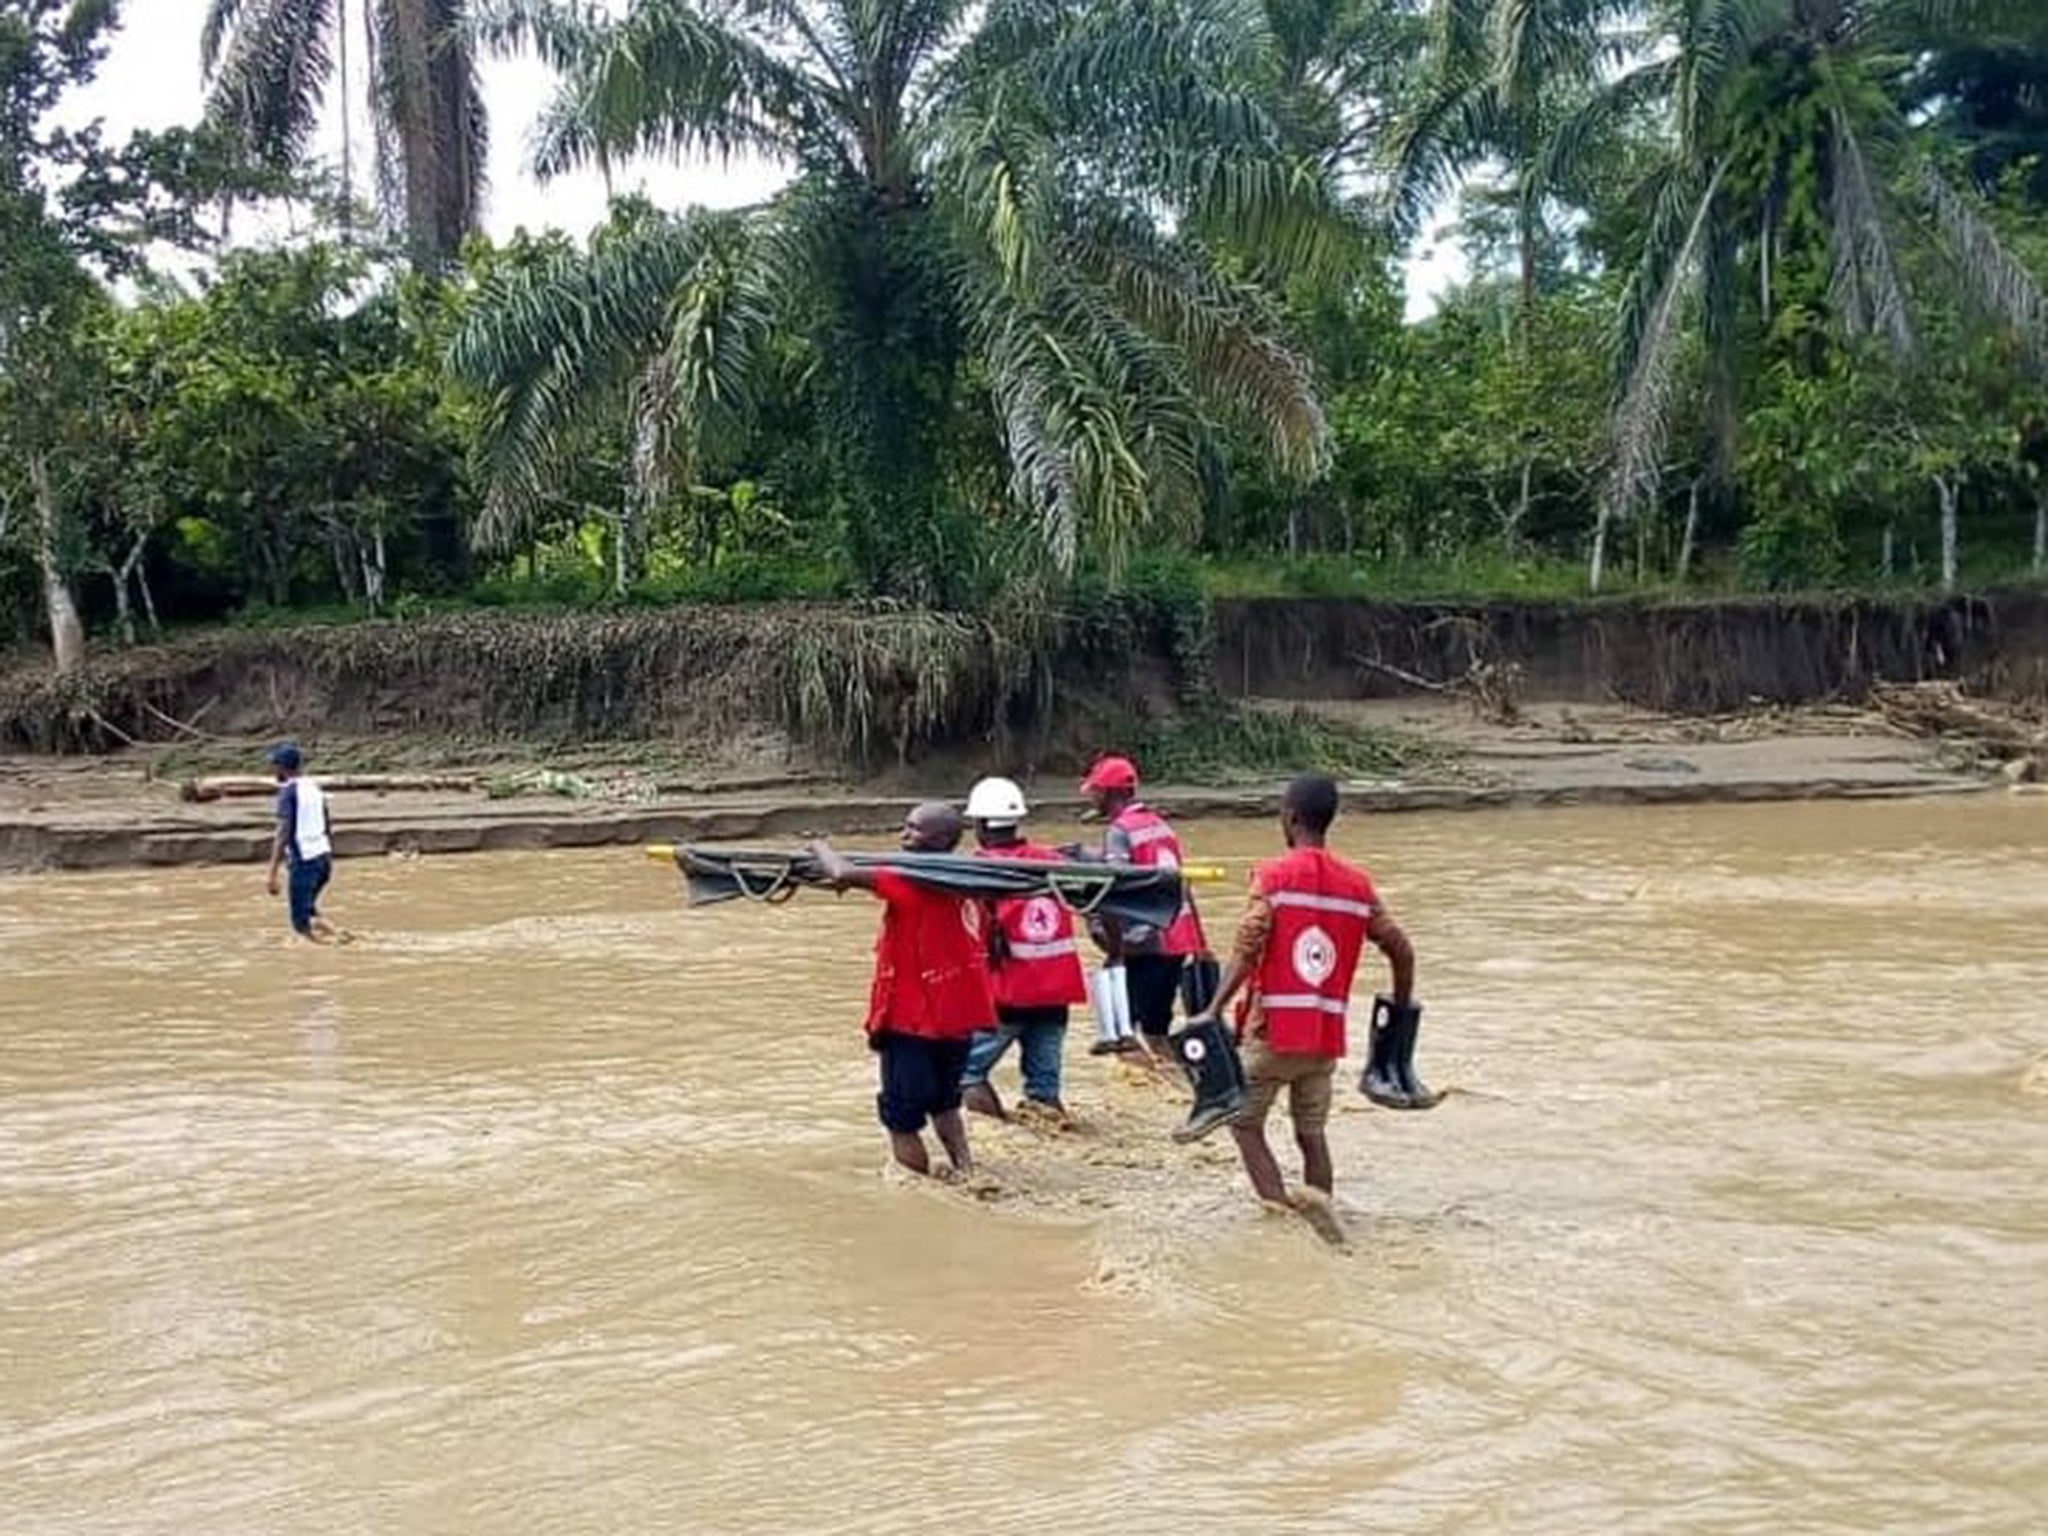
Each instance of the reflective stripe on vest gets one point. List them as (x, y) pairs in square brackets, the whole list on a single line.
[(1316, 903), (1154, 846), (1042, 968), (1337, 1005), (1322, 909), (1025, 950)]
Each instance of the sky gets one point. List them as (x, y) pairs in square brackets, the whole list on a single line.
[(151, 80)]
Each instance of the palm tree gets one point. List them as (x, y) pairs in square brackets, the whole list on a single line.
[(1056, 217), (271, 62), (1508, 82), (1794, 174)]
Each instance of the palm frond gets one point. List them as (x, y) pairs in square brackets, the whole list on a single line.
[(1437, 144), (221, 17), (271, 62), (1990, 274), (1230, 339), (557, 32), (552, 351), (1864, 286), (666, 79), (1642, 418), (1580, 136)]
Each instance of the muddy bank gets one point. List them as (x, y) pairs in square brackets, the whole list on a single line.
[(1680, 657), (863, 690), (111, 813)]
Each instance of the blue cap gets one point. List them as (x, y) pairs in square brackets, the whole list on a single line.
[(286, 756)]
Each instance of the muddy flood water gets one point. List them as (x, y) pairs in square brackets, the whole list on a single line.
[(554, 1207)]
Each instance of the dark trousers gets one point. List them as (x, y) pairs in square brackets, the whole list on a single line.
[(1154, 982)]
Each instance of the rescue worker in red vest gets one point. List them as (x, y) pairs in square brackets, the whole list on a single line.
[(1153, 959), (1308, 920), (1034, 963), (931, 991)]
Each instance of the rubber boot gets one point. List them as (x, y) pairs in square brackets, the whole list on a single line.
[(1110, 997), (1198, 984), (1418, 1095), (1209, 1057), (1382, 1080)]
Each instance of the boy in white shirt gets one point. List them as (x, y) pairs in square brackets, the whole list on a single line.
[(305, 841)]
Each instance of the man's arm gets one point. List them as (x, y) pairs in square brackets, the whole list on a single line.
[(1247, 950), (1389, 939), (841, 870), (287, 813)]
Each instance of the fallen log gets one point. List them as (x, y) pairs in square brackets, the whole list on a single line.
[(1943, 709), (252, 786)]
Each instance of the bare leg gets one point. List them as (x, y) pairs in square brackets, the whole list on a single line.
[(953, 1137), (1259, 1165), (981, 1098), (909, 1152), (1316, 1171)]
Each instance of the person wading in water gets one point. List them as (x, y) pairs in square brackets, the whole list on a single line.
[(304, 847), (1034, 964), (1153, 959), (931, 992), (1305, 926)]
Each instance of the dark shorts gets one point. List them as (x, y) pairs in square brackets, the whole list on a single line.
[(1154, 982), (920, 1078), (309, 878)]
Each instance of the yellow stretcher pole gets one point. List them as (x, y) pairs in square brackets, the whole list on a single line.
[(1194, 874)]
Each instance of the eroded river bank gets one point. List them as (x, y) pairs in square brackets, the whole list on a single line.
[(553, 1206)]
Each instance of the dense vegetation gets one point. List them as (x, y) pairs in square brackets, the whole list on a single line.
[(1054, 294)]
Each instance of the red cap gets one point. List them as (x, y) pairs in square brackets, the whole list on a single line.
[(1110, 773)]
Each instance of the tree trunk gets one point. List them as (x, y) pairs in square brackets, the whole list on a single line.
[(122, 578), (1949, 489), (2041, 531), (1692, 529), (67, 630), (1525, 216), (619, 535), (148, 600), (1514, 529), (1598, 564), (347, 219), (124, 616), (1890, 562), (373, 572)]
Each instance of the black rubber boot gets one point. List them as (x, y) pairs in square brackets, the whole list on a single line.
[(1407, 1023), (1209, 1057), (1383, 1083), (1198, 984)]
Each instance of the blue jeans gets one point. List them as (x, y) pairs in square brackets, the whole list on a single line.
[(307, 880), (1039, 1032)]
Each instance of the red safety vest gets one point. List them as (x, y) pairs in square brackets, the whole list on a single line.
[(1322, 907), (1043, 966), (1153, 844)]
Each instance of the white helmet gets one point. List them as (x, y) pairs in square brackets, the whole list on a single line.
[(997, 800)]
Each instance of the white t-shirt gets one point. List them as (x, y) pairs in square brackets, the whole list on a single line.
[(302, 806)]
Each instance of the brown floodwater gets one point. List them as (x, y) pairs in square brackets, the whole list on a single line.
[(552, 1206)]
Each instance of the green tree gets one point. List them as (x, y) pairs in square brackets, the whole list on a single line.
[(1510, 83), (70, 205), (297, 431), (271, 62), (1015, 214), (1792, 174)]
